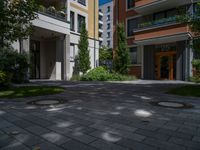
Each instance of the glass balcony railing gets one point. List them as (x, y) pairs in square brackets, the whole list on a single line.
[(157, 23), (53, 13)]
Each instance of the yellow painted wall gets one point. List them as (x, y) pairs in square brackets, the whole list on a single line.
[(91, 20)]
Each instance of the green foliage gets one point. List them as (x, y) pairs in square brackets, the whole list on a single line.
[(14, 63), (195, 79), (20, 92), (196, 63), (83, 55), (16, 17), (188, 90), (5, 79), (101, 74), (121, 56), (105, 57)]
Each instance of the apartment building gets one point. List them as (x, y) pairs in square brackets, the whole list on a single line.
[(56, 32), (107, 23), (100, 28), (159, 45), (84, 11)]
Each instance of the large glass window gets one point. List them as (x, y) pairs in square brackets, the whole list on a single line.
[(83, 2), (130, 4), (133, 55), (72, 20), (81, 20), (131, 25), (108, 9)]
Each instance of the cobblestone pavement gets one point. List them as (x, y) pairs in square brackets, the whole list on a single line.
[(101, 116)]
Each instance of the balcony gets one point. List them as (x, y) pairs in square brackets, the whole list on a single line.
[(52, 12), (167, 34), (156, 24), (53, 8), (150, 6)]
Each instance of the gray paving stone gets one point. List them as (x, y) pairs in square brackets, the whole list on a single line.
[(29, 139), (102, 145), (196, 138), (186, 143), (5, 124), (163, 144), (55, 138), (75, 145), (15, 145), (47, 146), (89, 120), (5, 140), (37, 130), (133, 145)]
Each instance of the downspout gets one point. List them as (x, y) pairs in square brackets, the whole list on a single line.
[(94, 33)]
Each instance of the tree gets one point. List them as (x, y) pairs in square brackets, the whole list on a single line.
[(121, 55), (83, 54), (105, 57), (16, 17)]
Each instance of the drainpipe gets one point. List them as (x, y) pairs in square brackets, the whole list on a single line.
[(94, 33)]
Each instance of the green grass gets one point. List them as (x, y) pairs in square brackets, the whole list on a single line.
[(20, 92), (188, 90)]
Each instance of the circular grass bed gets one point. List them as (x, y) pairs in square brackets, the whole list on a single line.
[(20, 92)]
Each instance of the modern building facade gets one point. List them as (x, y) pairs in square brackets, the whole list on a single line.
[(100, 28), (84, 11), (107, 24), (53, 43), (159, 44)]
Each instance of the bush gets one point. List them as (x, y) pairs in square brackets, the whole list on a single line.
[(14, 63), (101, 74), (195, 79), (5, 79)]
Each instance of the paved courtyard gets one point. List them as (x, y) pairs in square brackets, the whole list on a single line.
[(101, 116)]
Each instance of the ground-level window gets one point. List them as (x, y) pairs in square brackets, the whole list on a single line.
[(135, 55), (72, 51)]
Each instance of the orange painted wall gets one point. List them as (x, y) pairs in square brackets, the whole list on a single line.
[(143, 2)]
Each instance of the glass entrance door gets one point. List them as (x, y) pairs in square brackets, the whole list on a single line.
[(165, 66)]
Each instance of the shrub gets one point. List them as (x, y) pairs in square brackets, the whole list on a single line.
[(14, 63), (101, 74), (97, 74), (5, 79)]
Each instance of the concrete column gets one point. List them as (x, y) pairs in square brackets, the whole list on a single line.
[(66, 58), (26, 45)]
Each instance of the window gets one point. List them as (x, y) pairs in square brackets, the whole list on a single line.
[(108, 43), (108, 17), (108, 9), (72, 51), (130, 4), (108, 26), (72, 19), (81, 20), (131, 25), (83, 2), (108, 34), (133, 55)]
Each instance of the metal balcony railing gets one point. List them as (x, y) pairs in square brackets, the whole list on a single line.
[(53, 13), (157, 23)]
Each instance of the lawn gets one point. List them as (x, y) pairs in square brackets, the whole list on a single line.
[(20, 92), (188, 90)]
